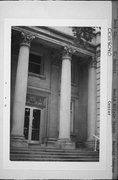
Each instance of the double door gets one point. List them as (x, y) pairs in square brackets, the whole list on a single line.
[(32, 124)]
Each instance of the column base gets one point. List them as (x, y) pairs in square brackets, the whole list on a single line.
[(90, 144), (52, 143), (65, 144), (18, 141)]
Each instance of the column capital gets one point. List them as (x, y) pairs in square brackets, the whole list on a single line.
[(92, 62), (67, 52), (26, 39)]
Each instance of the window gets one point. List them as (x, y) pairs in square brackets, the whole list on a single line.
[(35, 64)]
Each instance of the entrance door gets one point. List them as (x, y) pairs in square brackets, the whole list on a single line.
[(32, 124)]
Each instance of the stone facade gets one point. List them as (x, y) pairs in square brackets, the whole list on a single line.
[(54, 89)]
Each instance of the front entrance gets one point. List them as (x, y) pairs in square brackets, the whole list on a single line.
[(32, 124)]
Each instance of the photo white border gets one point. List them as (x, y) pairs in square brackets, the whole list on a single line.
[(105, 163)]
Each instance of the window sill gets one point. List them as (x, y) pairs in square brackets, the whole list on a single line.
[(41, 76)]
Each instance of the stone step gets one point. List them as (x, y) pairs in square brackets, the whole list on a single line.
[(27, 158), (57, 160), (53, 150), (56, 153), (52, 154)]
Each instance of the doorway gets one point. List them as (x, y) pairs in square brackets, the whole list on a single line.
[(32, 124)]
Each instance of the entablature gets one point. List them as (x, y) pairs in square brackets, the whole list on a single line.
[(54, 42)]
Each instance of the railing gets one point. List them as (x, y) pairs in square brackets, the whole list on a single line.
[(97, 139)]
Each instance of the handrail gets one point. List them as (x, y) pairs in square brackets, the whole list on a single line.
[(96, 139)]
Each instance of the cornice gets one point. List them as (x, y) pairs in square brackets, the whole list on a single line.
[(54, 41), (52, 34), (53, 31)]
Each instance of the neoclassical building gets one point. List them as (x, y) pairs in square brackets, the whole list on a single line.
[(55, 88)]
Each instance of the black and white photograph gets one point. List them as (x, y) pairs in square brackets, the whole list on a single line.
[(57, 90), (55, 93)]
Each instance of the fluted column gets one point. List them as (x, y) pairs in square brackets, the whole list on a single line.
[(20, 90), (65, 98), (92, 102)]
